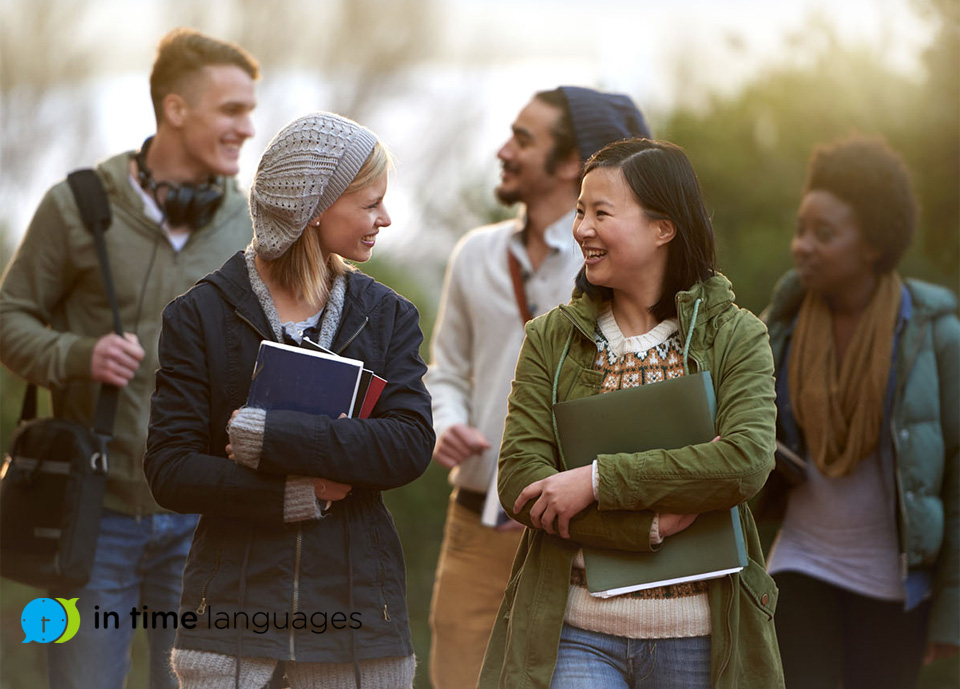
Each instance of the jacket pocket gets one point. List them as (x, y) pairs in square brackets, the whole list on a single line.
[(760, 589)]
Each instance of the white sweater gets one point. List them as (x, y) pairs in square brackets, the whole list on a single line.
[(479, 331)]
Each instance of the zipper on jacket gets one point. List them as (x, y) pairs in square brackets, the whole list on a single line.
[(255, 328), (203, 589), (901, 506), (383, 596), (903, 521), (296, 588), (380, 576), (366, 319)]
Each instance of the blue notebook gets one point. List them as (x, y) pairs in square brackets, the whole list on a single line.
[(299, 379)]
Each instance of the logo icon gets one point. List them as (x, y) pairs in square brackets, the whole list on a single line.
[(50, 619)]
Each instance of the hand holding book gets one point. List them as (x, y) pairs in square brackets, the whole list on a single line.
[(328, 490), (558, 498), (670, 524)]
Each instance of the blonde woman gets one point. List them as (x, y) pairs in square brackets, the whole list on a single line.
[(271, 578)]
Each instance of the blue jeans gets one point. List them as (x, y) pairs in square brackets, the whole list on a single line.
[(139, 562), (591, 659)]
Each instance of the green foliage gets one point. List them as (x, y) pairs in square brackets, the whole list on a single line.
[(400, 279), (751, 151), (419, 510)]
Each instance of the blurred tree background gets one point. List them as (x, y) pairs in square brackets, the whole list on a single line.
[(750, 149)]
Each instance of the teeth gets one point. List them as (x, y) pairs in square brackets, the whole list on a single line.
[(593, 253)]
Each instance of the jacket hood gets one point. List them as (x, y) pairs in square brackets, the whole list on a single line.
[(115, 173)]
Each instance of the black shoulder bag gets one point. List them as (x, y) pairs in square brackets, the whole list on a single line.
[(54, 475)]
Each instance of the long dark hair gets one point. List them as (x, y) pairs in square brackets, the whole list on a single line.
[(663, 182)]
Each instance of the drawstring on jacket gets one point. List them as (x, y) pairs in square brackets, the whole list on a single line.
[(553, 400), (686, 344)]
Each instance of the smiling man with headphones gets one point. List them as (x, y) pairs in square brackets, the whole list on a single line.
[(178, 214)]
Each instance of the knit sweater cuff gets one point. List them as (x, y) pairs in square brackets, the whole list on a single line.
[(246, 435), (299, 500), (655, 537)]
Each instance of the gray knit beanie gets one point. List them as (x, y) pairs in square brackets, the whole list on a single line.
[(303, 171), (601, 118)]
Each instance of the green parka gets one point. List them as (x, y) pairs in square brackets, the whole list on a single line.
[(558, 354), (54, 307)]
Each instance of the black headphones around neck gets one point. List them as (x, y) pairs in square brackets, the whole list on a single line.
[(193, 205)]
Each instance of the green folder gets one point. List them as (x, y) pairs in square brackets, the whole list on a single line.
[(667, 415)]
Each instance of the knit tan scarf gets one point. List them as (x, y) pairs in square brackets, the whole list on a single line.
[(840, 408)]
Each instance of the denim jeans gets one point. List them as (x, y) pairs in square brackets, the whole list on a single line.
[(138, 562), (591, 659)]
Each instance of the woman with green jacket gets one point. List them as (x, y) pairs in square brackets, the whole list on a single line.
[(648, 306)]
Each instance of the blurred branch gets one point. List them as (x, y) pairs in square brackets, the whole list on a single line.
[(363, 48), (42, 60)]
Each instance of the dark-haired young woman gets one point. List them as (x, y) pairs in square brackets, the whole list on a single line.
[(649, 306), (867, 384)]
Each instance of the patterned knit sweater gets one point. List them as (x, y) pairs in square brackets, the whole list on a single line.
[(669, 611)]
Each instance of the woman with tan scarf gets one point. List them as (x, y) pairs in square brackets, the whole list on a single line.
[(867, 392)]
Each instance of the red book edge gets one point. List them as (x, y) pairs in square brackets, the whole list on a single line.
[(377, 384)]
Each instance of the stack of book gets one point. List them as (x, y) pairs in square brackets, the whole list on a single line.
[(314, 380)]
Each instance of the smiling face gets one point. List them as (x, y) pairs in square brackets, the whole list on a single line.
[(349, 227), (523, 158), (828, 247), (622, 245), (213, 117)]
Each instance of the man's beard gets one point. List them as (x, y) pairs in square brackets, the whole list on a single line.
[(507, 197)]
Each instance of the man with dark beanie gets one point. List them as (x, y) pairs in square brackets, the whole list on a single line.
[(498, 277)]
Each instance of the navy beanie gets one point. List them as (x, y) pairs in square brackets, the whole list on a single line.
[(602, 118)]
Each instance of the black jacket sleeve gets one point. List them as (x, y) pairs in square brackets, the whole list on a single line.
[(185, 463)]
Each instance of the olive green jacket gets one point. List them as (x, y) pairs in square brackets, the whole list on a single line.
[(557, 362), (54, 307)]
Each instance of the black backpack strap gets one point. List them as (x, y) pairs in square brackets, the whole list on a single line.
[(94, 206)]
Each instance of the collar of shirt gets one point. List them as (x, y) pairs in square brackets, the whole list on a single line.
[(152, 210), (150, 207), (558, 236)]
